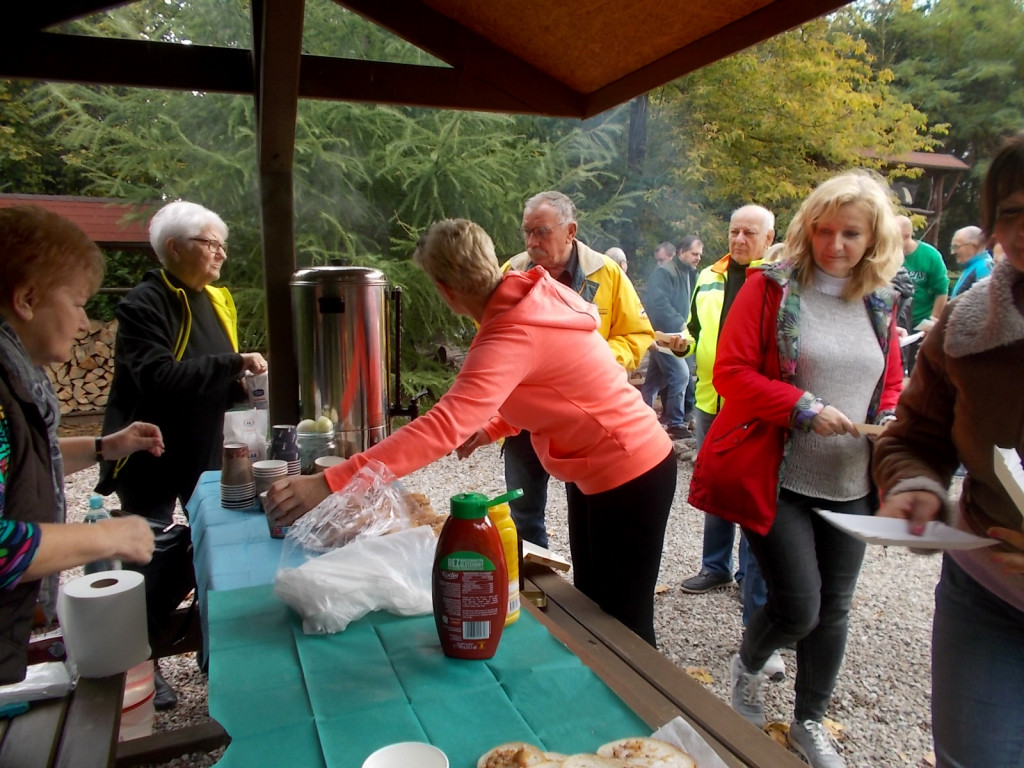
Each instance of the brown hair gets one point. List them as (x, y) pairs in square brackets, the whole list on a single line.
[(1005, 176), (45, 249)]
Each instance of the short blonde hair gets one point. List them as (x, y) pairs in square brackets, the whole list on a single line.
[(882, 258), (459, 254)]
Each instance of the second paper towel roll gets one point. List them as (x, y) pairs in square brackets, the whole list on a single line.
[(104, 619)]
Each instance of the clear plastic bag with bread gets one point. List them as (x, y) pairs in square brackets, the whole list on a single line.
[(367, 547)]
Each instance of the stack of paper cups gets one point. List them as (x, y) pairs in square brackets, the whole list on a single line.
[(104, 619)]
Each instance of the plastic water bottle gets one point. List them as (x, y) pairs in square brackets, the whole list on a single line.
[(95, 514)]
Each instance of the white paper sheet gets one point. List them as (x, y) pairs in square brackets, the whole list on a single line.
[(660, 336), (679, 732), (906, 341), (1008, 469), (894, 532)]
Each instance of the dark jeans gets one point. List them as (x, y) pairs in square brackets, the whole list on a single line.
[(977, 675), (523, 470), (811, 570), (616, 538)]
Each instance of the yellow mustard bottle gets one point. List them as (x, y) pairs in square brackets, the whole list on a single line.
[(501, 515)]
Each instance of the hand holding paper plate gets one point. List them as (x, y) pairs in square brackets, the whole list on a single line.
[(895, 532), (663, 342)]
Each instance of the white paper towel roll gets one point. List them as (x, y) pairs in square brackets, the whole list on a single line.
[(104, 619)]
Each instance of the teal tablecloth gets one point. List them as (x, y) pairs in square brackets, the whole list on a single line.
[(289, 699)]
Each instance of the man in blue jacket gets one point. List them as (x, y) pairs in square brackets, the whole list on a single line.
[(667, 301)]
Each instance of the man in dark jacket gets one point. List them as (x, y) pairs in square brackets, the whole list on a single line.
[(667, 301)]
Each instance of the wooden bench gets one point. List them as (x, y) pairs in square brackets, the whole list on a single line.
[(76, 731), (80, 730)]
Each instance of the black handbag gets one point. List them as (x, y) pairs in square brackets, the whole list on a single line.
[(169, 575)]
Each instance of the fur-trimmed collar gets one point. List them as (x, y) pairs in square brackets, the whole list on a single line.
[(985, 317)]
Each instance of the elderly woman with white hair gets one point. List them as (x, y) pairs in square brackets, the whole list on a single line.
[(177, 365)]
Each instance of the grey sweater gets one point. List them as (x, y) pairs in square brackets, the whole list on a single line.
[(840, 362)]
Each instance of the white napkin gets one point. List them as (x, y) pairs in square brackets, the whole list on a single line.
[(679, 732)]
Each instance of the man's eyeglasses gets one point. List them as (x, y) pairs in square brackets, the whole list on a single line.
[(213, 245), (541, 232)]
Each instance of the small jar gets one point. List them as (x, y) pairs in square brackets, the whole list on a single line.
[(313, 445)]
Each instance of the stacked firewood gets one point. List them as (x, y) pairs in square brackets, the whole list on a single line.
[(83, 382)]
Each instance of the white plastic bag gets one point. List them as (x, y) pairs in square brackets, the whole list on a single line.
[(49, 680), (372, 503), (390, 573)]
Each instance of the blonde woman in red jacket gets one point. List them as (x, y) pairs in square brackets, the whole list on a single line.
[(809, 351), (537, 363)]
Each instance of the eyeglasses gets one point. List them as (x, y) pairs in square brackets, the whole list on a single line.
[(213, 245), (541, 232)]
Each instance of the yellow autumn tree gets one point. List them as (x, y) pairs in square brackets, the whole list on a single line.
[(766, 125)]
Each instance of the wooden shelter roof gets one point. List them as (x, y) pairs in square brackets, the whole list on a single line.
[(570, 58)]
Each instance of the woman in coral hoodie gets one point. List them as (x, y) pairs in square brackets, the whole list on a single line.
[(537, 363)]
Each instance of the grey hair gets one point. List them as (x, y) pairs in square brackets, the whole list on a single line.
[(616, 254), (181, 220), (562, 204), (972, 233), (667, 247), (767, 216)]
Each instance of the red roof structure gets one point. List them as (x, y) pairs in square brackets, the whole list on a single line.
[(108, 222)]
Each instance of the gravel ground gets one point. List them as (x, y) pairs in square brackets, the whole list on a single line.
[(881, 702)]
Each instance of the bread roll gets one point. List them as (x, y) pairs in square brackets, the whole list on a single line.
[(647, 753), (514, 754)]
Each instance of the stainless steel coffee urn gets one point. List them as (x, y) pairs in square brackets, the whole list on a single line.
[(343, 351)]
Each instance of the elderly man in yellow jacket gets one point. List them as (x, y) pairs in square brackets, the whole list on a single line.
[(751, 232), (549, 232)]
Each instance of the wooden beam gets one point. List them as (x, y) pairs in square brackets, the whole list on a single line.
[(276, 63), (747, 31), (376, 82), (472, 54), (42, 15), (101, 61)]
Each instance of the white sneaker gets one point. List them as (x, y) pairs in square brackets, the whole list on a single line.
[(775, 668), (747, 691), (813, 742)]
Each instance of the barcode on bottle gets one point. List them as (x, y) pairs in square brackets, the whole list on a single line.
[(476, 630)]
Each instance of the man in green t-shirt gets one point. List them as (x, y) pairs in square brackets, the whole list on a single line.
[(931, 283)]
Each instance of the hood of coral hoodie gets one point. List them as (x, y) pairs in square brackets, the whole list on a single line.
[(535, 298)]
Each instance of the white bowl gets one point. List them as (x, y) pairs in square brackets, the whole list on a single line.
[(407, 754)]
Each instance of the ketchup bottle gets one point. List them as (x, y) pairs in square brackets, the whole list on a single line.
[(470, 580)]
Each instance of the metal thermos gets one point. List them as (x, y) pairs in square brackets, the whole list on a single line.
[(343, 351)]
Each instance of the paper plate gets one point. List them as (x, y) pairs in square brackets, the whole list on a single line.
[(894, 532)]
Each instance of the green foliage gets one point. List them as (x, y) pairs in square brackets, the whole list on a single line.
[(961, 63)]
